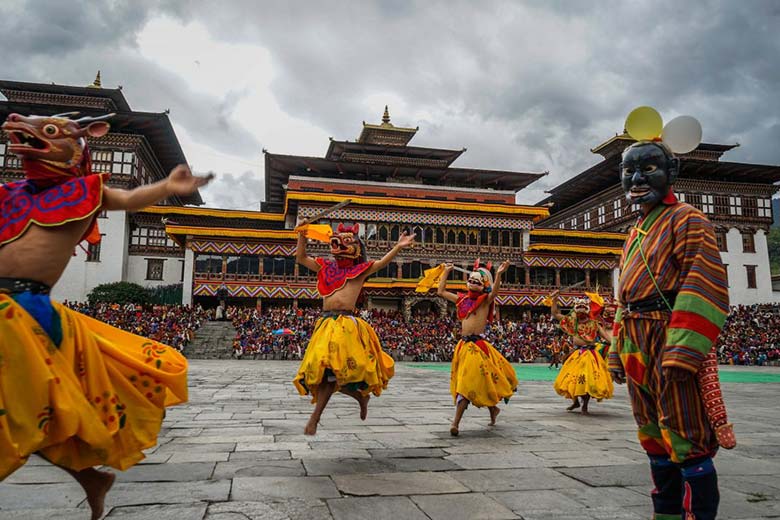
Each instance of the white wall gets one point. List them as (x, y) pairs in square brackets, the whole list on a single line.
[(189, 269), (739, 294), (80, 277)]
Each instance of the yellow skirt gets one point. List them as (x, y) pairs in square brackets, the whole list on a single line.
[(348, 349), (584, 373), (97, 399), (483, 376)]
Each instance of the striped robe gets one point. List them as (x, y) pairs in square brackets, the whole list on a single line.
[(678, 244)]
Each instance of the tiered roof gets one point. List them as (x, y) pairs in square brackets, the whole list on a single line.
[(382, 154), (42, 99)]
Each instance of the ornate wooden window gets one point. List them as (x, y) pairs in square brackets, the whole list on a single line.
[(735, 205), (244, 264), (721, 204), (517, 239), (395, 232), (483, 236), (542, 276), (572, 276), (450, 237), (473, 238), (462, 238), (586, 220), (93, 251), (205, 263), (765, 208), (383, 232), (102, 161), (154, 268), (748, 242), (123, 163), (708, 204), (602, 214), (429, 235), (749, 207), (494, 237), (439, 236), (750, 271), (388, 271), (505, 239), (617, 208), (720, 236)]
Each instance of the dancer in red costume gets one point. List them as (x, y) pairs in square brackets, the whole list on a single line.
[(76, 391)]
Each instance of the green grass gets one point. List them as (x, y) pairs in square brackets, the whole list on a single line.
[(539, 372)]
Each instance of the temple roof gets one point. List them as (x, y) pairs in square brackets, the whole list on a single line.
[(155, 127), (386, 133), (278, 169), (24, 91)]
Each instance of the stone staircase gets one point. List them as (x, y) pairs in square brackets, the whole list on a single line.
[(214, 340)]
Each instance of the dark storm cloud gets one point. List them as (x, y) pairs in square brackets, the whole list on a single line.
[(66, 42), (528, 86)]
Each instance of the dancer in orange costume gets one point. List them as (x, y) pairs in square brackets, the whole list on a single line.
[(480, 374), (76, 391)]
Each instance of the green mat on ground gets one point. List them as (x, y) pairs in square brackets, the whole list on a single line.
[(534, 372)]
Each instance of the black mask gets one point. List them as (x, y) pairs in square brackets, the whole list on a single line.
[(647, 172)]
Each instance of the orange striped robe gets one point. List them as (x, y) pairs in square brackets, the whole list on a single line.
[(679, 245)]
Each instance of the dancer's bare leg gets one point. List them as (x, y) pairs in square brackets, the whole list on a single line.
[(459, 409), (494, 411), (575, 403), (361, 399), (324, 391), (96, 484), (585, 400)]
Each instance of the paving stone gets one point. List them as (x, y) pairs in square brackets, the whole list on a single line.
[(160, 512), (612, 476), (167, 472), (137, 493), (247, 416), (512, 479), (470, 506), (33, 496), (398, 484), (270, 509), (259, 468), (321, 467), (375, 508), (251, 489)]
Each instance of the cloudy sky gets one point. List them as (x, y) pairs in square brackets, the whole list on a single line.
[(527, 86)]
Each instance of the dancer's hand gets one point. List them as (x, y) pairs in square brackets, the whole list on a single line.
[(618, 376), (406, 240), (503, 267), (182, 182), (448, 268), (555, 294)]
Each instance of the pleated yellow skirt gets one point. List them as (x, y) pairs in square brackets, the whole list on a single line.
[(481, 374), (97, 399), (348, 350), (584, 373)]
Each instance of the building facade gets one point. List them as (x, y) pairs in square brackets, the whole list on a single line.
[(736, 197), (141, 148), (572, 239)]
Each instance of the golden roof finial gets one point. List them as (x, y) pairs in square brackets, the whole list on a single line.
[(97, 83), (386, 117)]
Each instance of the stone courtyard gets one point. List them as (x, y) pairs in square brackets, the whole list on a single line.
[(236, 452)]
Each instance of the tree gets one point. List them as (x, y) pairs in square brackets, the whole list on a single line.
[(119, 292), (773, 243)]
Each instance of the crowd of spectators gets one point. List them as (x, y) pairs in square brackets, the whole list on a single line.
[(174, 325), (751, 335), (282, 333)]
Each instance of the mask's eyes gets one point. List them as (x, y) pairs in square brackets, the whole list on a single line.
[(347, 240), (51, 130), (650, 168)]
